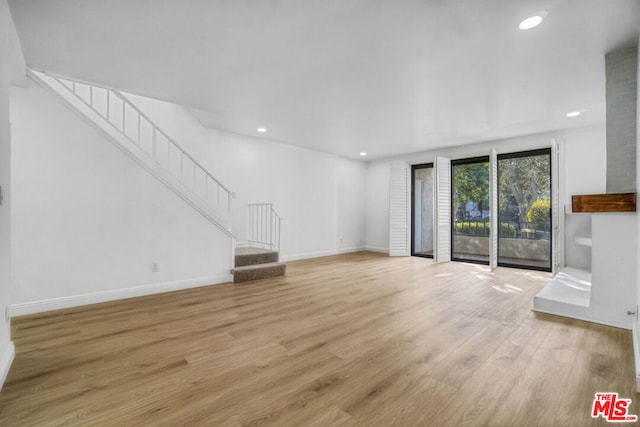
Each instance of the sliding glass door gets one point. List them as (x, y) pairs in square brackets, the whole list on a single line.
[(470, 211), (524, 205), (499, 212), (422, 210)]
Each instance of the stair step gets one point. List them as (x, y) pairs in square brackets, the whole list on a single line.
[(258, 271), (253, 256)]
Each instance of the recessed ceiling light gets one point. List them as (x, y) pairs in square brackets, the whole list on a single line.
[(574, 114), (363, 153), (262, 129), (532, 21)]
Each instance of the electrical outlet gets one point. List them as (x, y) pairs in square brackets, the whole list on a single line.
[(155, 267)]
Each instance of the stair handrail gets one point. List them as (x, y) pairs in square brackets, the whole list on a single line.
[(265, 225), (72, 87)]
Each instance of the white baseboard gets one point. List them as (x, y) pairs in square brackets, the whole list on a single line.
[(318, 254), (6, 359), (40, 306), (377, 249), (636, 350)]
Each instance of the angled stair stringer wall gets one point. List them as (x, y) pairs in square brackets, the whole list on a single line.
[(135, 150), (90, 224)]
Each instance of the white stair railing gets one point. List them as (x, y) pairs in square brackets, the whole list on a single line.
[(147, 139), (265, 224)]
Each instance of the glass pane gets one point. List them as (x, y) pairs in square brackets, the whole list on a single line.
[(423, 211), (524, 199), (470, 210)]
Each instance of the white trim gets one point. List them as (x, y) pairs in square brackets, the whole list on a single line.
[(557, 199), (40, 306), (636, 350), (378, 249), (6, 359), (243, 244), (493, 209), (442, 209), (399, 210), (296, 257)]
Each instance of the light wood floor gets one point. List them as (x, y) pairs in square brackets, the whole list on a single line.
[(359, 339)]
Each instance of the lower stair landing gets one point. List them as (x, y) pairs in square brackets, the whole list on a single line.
[(256, 263)]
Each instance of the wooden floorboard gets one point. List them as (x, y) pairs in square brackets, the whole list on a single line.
[(351, 340)]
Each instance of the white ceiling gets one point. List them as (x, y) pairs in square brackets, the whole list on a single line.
[(343, 76)]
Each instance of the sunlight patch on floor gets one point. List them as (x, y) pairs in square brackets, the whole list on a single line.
[(507, 288), (535, 275)]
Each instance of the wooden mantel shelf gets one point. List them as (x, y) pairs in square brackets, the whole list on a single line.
[(619, 202)]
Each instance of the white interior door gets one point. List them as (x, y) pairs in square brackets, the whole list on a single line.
[(442, 234)]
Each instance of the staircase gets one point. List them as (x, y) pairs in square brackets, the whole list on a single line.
[(136, 135), (256, 263), (260, 260)]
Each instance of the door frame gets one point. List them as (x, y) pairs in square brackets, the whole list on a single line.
[(530, 153), (458, 162), (413, 208)]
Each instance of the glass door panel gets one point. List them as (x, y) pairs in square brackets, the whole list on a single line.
[(524, 205), (422, 210), (470, 210)]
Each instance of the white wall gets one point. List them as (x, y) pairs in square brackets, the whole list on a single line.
[(377, 206), (88, 221), (12, 71), (584, 172), (6, 346), (320, 196)]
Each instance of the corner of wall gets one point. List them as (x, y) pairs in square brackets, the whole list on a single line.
[(6, 359), (12, 48), (12, 71)]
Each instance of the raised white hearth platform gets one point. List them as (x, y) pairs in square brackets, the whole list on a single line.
[(570, 286), (604, 294)]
